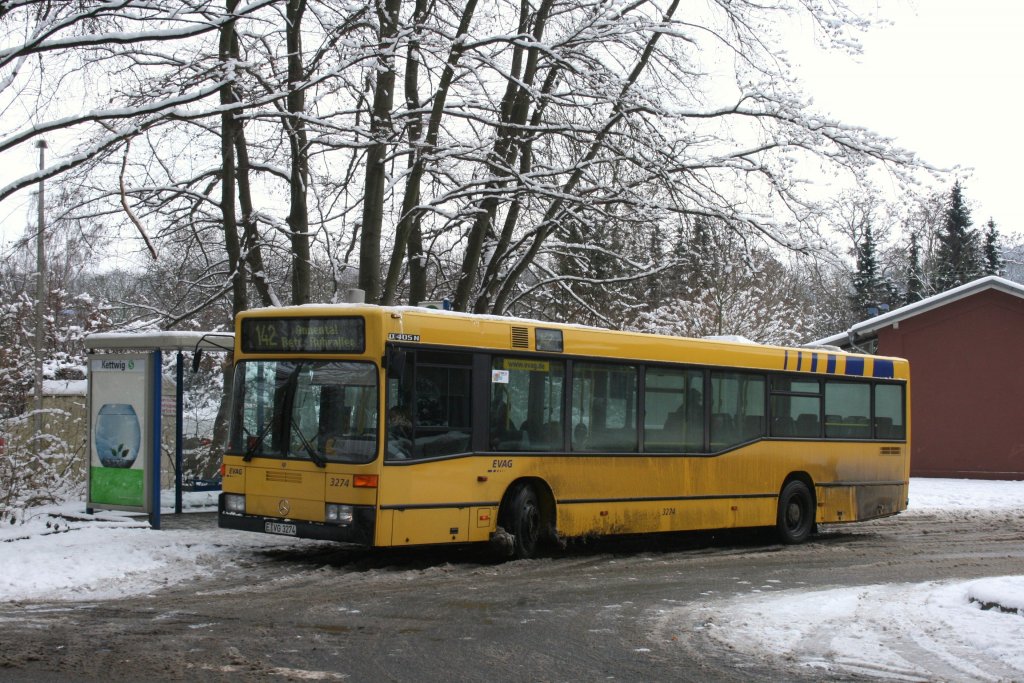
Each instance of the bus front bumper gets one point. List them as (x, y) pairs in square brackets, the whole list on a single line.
[(359, 531)]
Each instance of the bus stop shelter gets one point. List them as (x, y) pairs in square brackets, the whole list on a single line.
[(127, 362)]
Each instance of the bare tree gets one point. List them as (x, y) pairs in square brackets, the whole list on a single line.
[(527, 136), (381, 134), (407, 233)]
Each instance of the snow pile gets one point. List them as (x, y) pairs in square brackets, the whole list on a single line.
[(97, 563), (1005, 594), (951, 630), (930, 631)]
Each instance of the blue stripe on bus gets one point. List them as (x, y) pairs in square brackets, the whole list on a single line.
[(799, 360), (831, 367), (814, 362), (855, 366), (884, 368)]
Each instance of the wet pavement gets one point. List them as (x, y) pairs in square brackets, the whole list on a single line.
[(206, 519)]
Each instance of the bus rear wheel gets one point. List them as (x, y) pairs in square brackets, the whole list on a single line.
[(795, 521), (521, 517)]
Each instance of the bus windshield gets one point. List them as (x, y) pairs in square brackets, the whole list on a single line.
[(324, 411)]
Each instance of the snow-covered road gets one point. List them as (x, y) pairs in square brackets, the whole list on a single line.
[(947, 630)]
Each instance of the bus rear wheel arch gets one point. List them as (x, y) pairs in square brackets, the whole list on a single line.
[(795, 521), (526, 516)]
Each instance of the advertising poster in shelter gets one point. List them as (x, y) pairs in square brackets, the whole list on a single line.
[(119, 430)]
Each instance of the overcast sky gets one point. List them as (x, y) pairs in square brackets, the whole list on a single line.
[(944, 79)]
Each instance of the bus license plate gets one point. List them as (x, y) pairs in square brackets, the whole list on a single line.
[(279, 528)]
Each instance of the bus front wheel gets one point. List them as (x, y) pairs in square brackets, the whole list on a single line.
[(795, 521), (522, 519)]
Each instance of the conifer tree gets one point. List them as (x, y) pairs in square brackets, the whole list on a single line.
[(865, 277), (869, 288), (993, 261), (958, 257)]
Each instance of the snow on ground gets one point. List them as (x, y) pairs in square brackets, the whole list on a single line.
[(955, 630), (949, 630), (931, 495), (930, 631), (60, 553)]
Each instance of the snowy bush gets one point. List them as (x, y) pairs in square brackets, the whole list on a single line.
[(36, 470)]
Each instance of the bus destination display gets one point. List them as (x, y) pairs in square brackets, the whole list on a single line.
[(303, 335)]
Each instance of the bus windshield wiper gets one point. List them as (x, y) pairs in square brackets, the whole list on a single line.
[(251, 450), (262, 434), (313, 455)]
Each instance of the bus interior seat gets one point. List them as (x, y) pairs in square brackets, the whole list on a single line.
[(551, 436), (675, 422), (722, 428), (883, 427), (753, 427), (783, 425), (611, 439), (807, 424), (334, 421), (859, 426)]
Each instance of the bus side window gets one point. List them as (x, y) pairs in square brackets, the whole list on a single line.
[(604, 401), (441, 403), (525, 411), (737, 409), (398, 432), (889, 422), (795, 407), (429, 405), (673, 410), (847, 407)]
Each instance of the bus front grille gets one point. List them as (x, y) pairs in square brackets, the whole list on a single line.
[(287, 477)]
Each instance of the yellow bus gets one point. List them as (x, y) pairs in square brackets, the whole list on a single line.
[(400, 426)]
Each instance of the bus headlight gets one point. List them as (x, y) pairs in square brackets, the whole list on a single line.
[(234, 503), (339, 514)]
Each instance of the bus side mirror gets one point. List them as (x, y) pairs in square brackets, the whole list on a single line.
[(196, 357), (396, 363)]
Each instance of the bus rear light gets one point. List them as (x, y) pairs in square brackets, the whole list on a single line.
[(365, 481), (234, 503), (338, 514)]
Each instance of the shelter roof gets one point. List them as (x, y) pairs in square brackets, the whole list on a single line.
[(160, 341)]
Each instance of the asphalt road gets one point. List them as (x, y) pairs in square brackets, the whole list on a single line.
[(588, 612)]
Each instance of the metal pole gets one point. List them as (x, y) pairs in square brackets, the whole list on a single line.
[(179, 404), (157, 398), (40, 292)]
